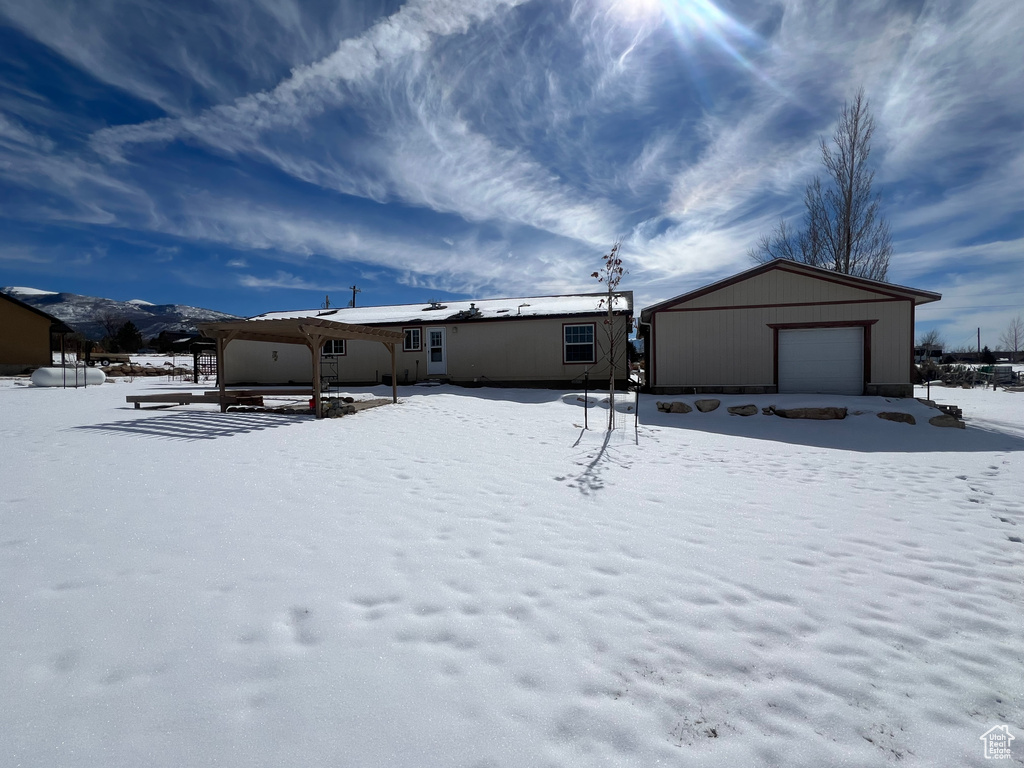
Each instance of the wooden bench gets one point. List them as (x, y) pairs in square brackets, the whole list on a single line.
[(296, 391), (169, 399)]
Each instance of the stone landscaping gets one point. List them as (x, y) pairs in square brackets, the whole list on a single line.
[(134, 369), (950, 417)]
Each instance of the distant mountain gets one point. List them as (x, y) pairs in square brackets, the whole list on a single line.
[(86, 313)]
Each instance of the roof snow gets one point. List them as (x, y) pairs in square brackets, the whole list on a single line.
[(437, 312)]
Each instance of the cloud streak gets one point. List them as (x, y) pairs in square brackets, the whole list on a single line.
[(502, 145)]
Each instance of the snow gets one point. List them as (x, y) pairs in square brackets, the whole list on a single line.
[(28, 291), (488, 308), (471, 579), (140, 303)]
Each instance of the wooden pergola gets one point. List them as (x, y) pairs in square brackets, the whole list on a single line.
[(311, 331)]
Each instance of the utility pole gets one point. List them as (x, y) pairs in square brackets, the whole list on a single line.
[(354, 292), (327, 302)]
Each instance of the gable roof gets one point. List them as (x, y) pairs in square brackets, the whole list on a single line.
[(889, 289), (57, 325), (461, 311)]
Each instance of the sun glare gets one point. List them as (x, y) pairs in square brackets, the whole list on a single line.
[(696, 25)]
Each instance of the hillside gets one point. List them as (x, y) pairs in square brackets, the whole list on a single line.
[(86, 313)]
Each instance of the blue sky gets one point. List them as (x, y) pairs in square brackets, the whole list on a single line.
[(257, 155)]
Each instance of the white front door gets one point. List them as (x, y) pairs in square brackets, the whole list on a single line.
[(437, 357)]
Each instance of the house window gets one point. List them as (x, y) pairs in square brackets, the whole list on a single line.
[(413, 340), (579, 343), (334, 347)]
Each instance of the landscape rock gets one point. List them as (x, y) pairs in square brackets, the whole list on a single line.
[(742, 410), (903, 418), (945, 420), (820, 414), (336, 407), (768, 410), (679, 408), (706, 406)]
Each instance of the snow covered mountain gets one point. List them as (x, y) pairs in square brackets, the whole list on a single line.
[(86, 314)]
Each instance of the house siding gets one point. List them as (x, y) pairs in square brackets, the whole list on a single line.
[(525, 352)]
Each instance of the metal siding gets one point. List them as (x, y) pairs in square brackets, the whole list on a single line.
[(734, 347), (778, 287)]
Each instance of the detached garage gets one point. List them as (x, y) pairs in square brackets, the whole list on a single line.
[(784, 327)]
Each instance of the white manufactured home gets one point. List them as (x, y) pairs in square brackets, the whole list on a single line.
[(784, 327), (540, 341)]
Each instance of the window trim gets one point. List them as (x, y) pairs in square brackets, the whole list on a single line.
[(332, 342), (593, 344), (419, 346)]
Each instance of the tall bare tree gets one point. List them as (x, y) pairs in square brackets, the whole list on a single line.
[(843, 228), (1012, 339)]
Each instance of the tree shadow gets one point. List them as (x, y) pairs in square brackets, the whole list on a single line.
[(198, 425), (594, 464)]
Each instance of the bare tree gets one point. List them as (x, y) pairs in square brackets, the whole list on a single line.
[(1012, 338), (843, 226), (611, 274), (110, 323), (932, 340)]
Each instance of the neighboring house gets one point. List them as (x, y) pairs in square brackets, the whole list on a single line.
[(784, 327), (925, 354), (542, 341), (25, 334)]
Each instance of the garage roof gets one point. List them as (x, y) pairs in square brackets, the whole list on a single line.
[(878, 286)]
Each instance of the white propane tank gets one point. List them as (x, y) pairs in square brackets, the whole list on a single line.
[(67, 377)]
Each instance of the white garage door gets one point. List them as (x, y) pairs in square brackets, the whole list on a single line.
[(827, 360)]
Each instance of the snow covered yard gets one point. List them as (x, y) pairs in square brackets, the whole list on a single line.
[(469, 579)]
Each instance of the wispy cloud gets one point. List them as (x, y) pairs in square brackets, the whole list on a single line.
[(500, 146), (282, 279)]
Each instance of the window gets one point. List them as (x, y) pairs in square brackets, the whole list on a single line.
[(413, 342), (579, 343), (334, 347)]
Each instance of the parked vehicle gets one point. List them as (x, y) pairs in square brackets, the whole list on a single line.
[(98, 356)]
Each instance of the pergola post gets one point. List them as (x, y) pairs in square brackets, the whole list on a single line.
[(221, 343), (394, 372), (315, 342)]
